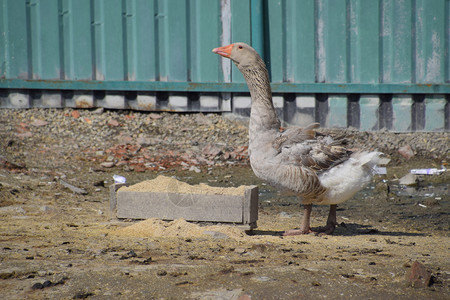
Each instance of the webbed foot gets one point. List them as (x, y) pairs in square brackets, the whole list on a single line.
[(292, 232)]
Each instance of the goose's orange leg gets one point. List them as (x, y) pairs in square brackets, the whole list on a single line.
[(331, 221), (305, 228)]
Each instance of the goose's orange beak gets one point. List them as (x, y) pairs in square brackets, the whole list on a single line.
[(225, 51)]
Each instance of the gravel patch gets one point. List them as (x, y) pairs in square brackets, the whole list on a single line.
[(139, 141)]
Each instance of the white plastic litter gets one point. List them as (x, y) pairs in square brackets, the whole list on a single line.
[(379, 170), (430, 171), (119, 179)]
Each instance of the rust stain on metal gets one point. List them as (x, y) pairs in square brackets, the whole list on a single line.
[(193, 86), (425, 84), (146, 106), (81, 103)]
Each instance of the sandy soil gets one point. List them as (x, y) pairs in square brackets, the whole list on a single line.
[(56, 244), (50, 236)]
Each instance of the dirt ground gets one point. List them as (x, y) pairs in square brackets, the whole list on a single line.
[(58, 244)]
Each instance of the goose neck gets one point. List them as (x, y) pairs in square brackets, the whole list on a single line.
[(262, 115)]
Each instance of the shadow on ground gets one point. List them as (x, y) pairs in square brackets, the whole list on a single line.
[(344, 229)]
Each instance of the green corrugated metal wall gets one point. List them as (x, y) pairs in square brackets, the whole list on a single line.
[(361, 63), (359, 41), (134, 40)]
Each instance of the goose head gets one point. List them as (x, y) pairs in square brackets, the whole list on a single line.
[(242, 54)]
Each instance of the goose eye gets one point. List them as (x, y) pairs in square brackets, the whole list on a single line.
[(240, 47)]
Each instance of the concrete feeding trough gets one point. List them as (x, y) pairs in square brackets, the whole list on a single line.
[(168, 199)]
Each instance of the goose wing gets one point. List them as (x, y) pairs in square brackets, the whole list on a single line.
[(306, 148)]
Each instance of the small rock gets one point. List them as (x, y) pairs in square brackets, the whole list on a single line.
[(211, 150), (161, 273), (47, 283), (406, 152), (263, 279), (23, 127), (145, 141), (40, 286), (98, 111), (181, 283), (240, 250), (147, 261), (408, 179), (113, 123), (418, 276), (24, 135), (75, 114), (9, 273), (384, 161), (37, 286), (73, 188), (124, 138), (131, 253), (107, 164), (39, 123), (154, 116), (195, 169), (83, 295)]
